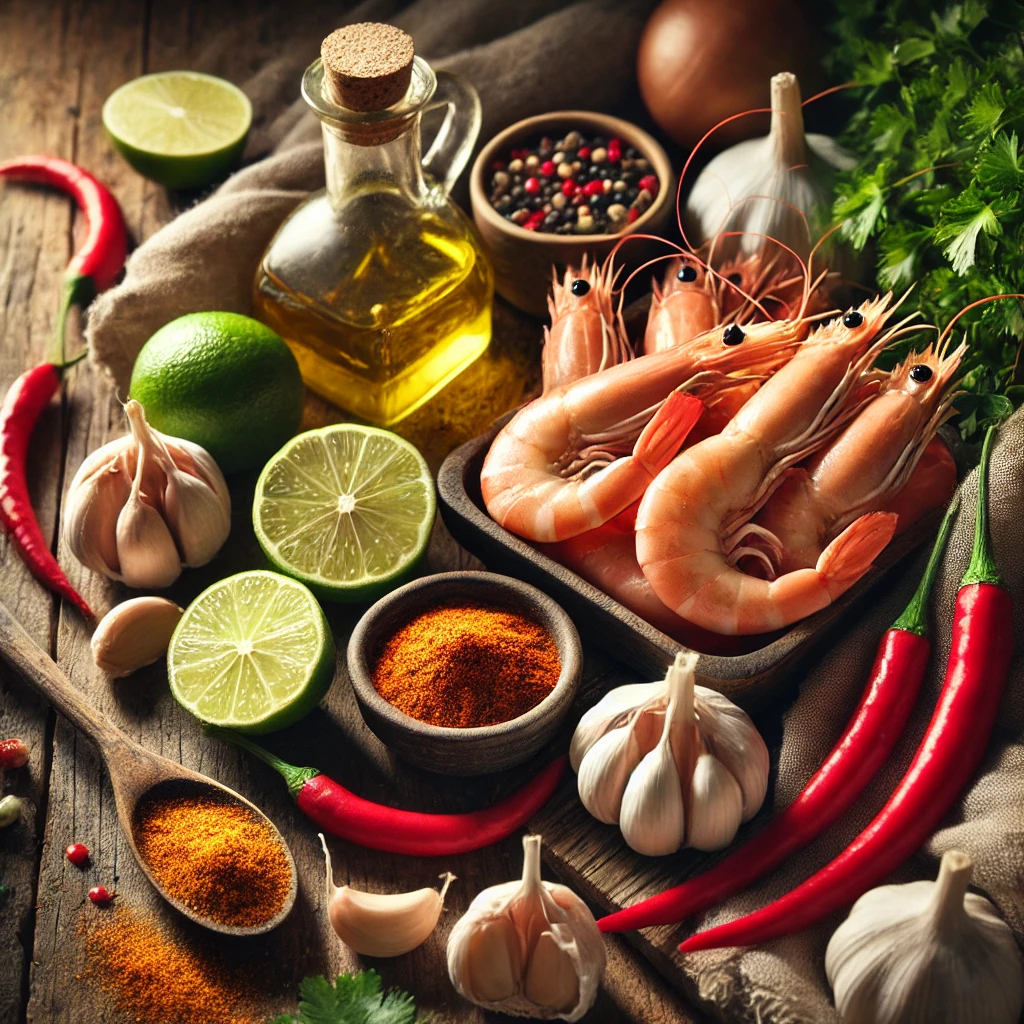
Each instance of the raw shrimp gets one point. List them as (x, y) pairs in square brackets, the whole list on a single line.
[(578, 455), (586, 335), (868, 464), (695, 516)]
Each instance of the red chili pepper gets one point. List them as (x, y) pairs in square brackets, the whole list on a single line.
[(13, 754), (949, 753), (339, 811), (872, 732), (98, 262)]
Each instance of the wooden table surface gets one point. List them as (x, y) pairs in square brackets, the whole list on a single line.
[(58, 62)]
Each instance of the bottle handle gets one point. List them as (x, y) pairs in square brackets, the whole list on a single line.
[(449, 152)]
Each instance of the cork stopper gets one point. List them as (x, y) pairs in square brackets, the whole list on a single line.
[(367, 66)]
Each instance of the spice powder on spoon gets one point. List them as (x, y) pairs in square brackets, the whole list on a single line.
[(467, 665)]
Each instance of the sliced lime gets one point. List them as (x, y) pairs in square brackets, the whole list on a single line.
[(346, 509), (183, 129), (253, 652)]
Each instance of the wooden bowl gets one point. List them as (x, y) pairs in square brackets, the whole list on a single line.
[(489, 748), (523, 259)]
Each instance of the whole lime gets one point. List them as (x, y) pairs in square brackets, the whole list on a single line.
[(223, 380)]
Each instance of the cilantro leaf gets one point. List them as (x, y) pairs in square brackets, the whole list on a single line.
[(961, 221), (986, 110), (352, 999), (1000, 166)]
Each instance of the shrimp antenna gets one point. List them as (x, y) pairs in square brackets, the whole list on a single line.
[(978, 302), (829, 91)]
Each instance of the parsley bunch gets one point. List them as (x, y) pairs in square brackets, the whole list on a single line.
[(352, 999), (938, 191)]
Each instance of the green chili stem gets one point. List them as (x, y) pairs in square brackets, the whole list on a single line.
[(982, 568), (294, 776), (915, 616)]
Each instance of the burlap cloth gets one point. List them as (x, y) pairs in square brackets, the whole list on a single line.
[(524, 58)]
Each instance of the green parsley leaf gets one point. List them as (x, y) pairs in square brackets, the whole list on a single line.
[(352, 999), (960, 222), (1000, 167), (912, 49), (986, 110)]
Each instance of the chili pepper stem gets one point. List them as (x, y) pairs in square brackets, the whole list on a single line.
[(77, 291), (914, 618), (294, 776), (982, 567)]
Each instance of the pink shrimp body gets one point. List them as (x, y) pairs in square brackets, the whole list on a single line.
[(694, 517), (586, 335), (868, 464), (578, 455)]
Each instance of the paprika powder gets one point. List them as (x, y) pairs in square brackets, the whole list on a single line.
[(466, 665)]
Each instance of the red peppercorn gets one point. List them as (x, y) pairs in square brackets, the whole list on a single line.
[(547, 168), (519, 154), (100, 895), (649, 182), (583, 152), (13, 754), (569, 188), (614, 151), (594, 188), (77, 853), (532, 185), (632, 215)]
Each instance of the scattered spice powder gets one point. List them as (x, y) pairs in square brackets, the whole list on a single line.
[(466, 665), (154, 978), (217, 858)]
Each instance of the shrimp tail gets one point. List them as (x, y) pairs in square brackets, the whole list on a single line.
[(851, 554), (662, 438)]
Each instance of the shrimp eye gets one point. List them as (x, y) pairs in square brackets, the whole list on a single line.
[(687, 273), (853, 319), (733, 334), (920, 373), (735, 278), (579, 287)]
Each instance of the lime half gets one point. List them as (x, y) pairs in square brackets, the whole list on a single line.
[(253, 652), (346, 509), (182, 129)]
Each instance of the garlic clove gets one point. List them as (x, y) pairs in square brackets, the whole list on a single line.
[(610, 712), (382, 924), (133, 634), (199, 519), (551, 979), (652, 817), (93, 504), (716, 805), (604, 772), (494, 963), (145, 548)]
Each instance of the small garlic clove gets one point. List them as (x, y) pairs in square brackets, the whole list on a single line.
[(652, 817), (145, 547), (604, 772), (716, 805), (199, 519), (551, 980), (93, 503), (133, 634), (494, 963), (610, 712)]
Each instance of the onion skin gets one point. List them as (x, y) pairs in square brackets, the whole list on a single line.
[(701, 61)]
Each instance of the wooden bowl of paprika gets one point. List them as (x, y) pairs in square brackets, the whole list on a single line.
[(465, 673)]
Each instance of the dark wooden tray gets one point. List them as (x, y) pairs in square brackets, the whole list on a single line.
[(751, 680)]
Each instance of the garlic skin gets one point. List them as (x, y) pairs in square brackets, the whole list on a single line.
[(142, 507), (133, 634), (383, 924), (672, 763), (528, 948), (926, 953), (792, 168)]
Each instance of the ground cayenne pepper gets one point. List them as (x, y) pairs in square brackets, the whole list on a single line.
[(217, 858), (465, 665), (154, 978)]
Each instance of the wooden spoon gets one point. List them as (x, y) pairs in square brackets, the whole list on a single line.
[(136, 774)]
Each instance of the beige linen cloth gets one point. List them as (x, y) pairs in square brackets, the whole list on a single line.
[(524, 58)]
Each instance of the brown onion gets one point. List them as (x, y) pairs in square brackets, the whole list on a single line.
[(702, 60)]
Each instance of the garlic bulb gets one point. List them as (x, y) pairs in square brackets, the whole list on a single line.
[(142, 507), (790, 168), (528, 948), (133, 634), (926, 953), (383, 924), (671, 763)]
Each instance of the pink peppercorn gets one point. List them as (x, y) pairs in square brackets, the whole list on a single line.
[(632, 215), (614, 151), (593, 188), (547, 168), (650, 182), (532, 185), (77, 853), (100, 895), (583, 152), (569, 188)]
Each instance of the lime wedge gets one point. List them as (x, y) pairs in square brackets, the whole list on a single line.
[(183, 129), (253, 652), (346, 509)]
